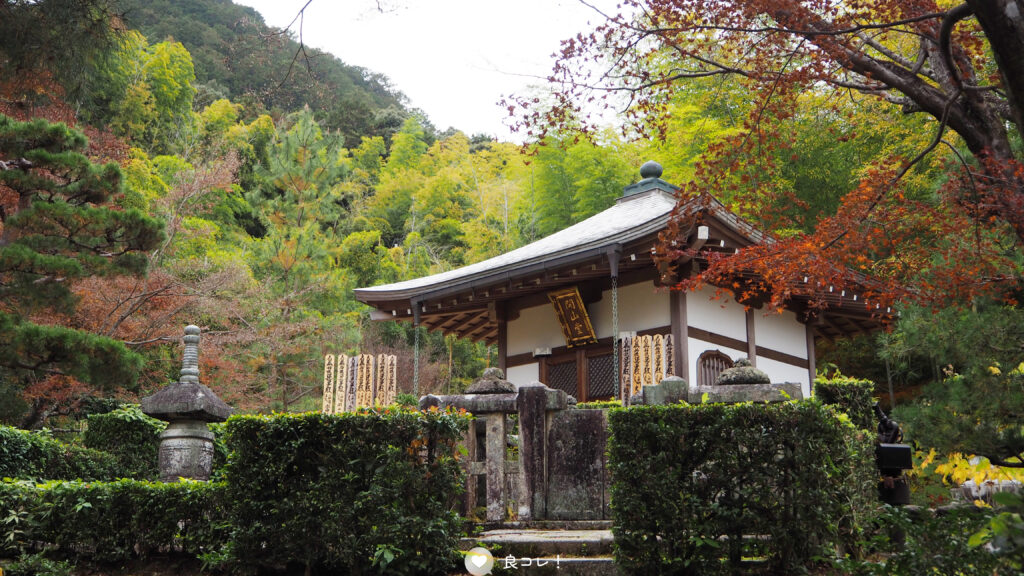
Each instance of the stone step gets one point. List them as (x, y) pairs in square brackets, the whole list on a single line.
[(535, 543), (546, 525)]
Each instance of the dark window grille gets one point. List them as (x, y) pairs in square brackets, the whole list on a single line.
[(601, 373), (563, 377)]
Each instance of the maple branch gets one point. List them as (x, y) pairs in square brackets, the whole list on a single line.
[(771, 91), (931, 145), (901, 173), (963, 163), (139, 301), (801, 32), (886, 52), (150, 340), (945, 38)]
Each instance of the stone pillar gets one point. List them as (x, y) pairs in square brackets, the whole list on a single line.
[(532, 440), (495, 466)]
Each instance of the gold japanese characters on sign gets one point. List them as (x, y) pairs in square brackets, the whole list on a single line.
[(359, 381), (572, 315), (644, 361)]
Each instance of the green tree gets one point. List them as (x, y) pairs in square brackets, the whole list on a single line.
[(391, 208), (171, 75), (59, 39), (57, 226), (145, 93), (303, 208), (576, 180)]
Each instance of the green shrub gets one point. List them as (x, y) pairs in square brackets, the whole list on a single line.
[(35, 455), (131, 436), (929, 543), (220, 450), (599, 405), (406, 399), (37, 565), (696, 489), (111, 521), (851, 395), (347, 493)]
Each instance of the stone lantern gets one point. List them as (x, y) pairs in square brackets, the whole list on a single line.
[(186, 446)]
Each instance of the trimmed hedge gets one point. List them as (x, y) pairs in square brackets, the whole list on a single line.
[(599, 405), (111, 521), (35, 455), (348, 494), (851, 395), (697, 488), (131, 436)]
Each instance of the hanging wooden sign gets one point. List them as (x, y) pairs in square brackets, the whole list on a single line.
[(572, 316)]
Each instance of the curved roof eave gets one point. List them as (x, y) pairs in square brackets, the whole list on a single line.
[(634, 218)]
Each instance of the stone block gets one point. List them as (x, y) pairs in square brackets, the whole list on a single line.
[(473, 403), (577, 479), (671, 390), (736, 393)]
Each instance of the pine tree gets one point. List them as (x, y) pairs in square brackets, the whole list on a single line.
[(56, 226)]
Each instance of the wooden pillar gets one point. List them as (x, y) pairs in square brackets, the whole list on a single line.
[(812, 368), (680, 343), (497, 313), (751, 339)]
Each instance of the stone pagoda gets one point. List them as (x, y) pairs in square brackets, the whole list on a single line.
[(186, 446)]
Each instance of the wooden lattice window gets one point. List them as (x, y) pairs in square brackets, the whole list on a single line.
[(600, 377), (710, 364), (585, 373), (563, 376)]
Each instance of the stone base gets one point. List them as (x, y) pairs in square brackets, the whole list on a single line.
[(673, 390), (734, 393), (186, 451)]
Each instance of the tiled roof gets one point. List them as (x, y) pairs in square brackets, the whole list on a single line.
[(632, 217)]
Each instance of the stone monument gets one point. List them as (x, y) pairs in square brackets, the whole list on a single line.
[(186, 446), (742, 372)]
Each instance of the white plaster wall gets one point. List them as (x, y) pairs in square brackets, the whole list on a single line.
[(780, 332), (777, 371), (536, 327), (525, 374), (641, 307), (727, 318), (695, 347), (781, 372)]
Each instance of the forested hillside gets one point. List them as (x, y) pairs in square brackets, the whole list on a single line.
[(237, 56), (266, 196)]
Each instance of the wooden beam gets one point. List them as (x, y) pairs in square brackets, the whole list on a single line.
[(812, 367), (680, 343), (717, 339), (499, 316), (751, 338), (781, 357)]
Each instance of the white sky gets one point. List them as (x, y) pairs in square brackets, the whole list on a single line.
[(454, 59)]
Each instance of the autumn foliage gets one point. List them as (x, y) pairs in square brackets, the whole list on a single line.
[(954, 243)]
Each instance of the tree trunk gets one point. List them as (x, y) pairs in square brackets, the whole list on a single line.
[(1003, 24)]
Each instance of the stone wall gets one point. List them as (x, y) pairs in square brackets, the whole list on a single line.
[(559, 471)]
